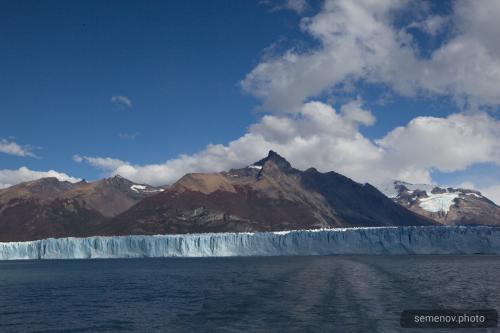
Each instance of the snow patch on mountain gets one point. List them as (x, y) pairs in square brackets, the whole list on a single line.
[(440, 202), (429, 197), (138, 188), (474, 194), (143, 188)]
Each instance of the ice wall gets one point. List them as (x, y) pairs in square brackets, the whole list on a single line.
[(377, 241)]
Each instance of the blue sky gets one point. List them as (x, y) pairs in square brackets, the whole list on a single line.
[(94, 88), (179, 62)]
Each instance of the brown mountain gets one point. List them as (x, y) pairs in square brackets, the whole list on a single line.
[(268, 195), (50, 208), (110, 196), (450, 206)]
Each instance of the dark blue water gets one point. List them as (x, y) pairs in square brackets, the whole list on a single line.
[(292, 294)]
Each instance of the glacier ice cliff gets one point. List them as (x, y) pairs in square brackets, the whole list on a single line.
[(373, 241)]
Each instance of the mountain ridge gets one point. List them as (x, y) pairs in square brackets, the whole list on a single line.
[(48, 207), (446, 205), (268, 195)]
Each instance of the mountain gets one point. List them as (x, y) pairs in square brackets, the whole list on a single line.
[(450, 206), (267, 195), (110, 196), (51, 208)]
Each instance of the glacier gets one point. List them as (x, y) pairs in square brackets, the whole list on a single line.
[(440, 202), (339, 241)]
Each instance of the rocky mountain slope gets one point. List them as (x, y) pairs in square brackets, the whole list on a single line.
[(450, 206), (50, 208), (268, 195)]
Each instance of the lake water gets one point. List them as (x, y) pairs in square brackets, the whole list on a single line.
[(289, 294)]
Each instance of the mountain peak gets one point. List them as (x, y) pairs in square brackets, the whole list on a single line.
[(44, 180), (273, 156), (45, 188), (118, 178)]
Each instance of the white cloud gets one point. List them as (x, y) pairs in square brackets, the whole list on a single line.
[(319, 136), (358, 40), (122, 100), (448, 144), (77, 158), (353, 111), (298, 6), (432, 24), (100, 162), (13, 148), (23, 174)]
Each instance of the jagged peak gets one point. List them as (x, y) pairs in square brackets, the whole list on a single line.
[(277, 159), (45, 180), (117, 179)]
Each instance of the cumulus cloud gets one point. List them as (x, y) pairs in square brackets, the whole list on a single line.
[(23, 174), (353, 111), (100, 162), (13, 148), (320, 136), (317, 136), (122, 100), (359, 40), (448, 144)]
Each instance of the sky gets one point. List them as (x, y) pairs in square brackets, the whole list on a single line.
[(374, 89)]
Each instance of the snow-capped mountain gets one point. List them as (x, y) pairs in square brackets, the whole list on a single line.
[(451, 206)]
